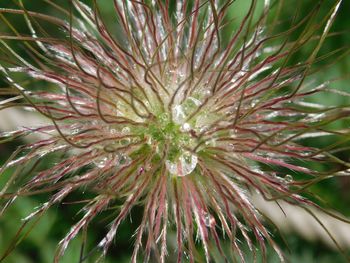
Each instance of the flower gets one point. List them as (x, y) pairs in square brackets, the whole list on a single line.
[(165, 110)]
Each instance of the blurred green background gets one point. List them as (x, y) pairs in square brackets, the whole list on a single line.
[(40, 244)]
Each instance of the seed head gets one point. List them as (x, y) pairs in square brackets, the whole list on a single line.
[(175, 107)]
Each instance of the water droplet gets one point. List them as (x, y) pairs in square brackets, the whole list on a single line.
[(211, 142), (178, 114), (171, 167), (75, 131), (254, 103), (203, 129), (164, 118), (233, 132), (125, 141), (113, 131), (185, 127), (288, 178), (208, 92), (231, 147), (185, 165), (126, 130), (194, 101), (209, 220), (101, 161), (124, 159), (149, 140)]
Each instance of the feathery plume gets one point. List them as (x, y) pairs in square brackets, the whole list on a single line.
[(180, 108)]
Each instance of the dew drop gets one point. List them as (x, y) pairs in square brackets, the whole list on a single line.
[(231, 147), (185, 127), (209, 220), (203, 129), (126, 130), (171, 167), (124, 159), (164, 118), (125, 141), (75, 131), (113, 131), (101, 162), (150, 141), (178, 114), (208, 93), (194, 101), (186, 256), (211, 142), (254, 103), (233, 132), (185, 165), (288, 178)]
